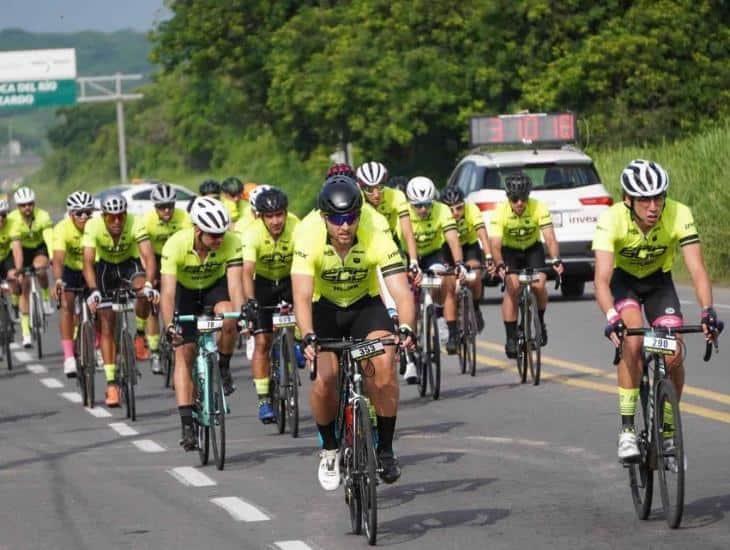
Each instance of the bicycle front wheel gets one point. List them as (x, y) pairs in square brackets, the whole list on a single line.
[(37, 323), (533, 340), (433, 353), (127, 367), (366, 467), (641, 476), (217, 415), (670, 452), (291, 387), (277, 385), (87, 366), (203, 433), (6, 334)]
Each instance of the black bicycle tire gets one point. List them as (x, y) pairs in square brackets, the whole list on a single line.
[(217, 416), (6, 333), (277, 387), (86, 364), (419, 358), (202, 435), (672, 511), (166, 361), (463, 316), (292, 387), (534, 342), (36, 324), (368, 471), (131, 377), (434, 354), (470, 335), (90, 366), (641, 475), (521, 343)]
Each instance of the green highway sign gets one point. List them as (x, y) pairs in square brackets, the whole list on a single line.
[(37, 78), (37, 93)]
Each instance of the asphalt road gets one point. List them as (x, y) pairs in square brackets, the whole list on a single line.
[(492, 464)]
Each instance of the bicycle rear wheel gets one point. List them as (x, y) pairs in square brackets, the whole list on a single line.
[(641, 476), (670, 462), (277, 385), (366, 468), (37, 323), (127, 367), (433, 353), (291, 387), (6, 333), (89, 363), (533, 339), (166, 361), (217, 416)]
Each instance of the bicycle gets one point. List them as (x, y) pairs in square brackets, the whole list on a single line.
[(84, 348), (210, 407), (37, 315), (167, 362), (427, 354), (7, 327), (467, 325), (353, 421), (127, 373), (660, 449)]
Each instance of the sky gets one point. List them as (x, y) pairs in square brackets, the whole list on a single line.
[(79, 15)]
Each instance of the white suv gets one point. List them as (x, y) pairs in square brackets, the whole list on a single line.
[(564, 179), (139, 201)]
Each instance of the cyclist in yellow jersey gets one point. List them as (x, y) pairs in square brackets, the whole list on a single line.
[(437, 240), (514, 232), (6, 257), (113, 244), (249, 215), (31, 231), (201, 269), (209, 188), (68, 264), (336, 296), (231, 190), (160, 224), (474, 242), (634, 245), (268, 249)]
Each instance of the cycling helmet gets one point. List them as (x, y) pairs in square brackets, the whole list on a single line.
[(271, 200), (79, 200), (210, 187), (114, 204), (339, 195), (232, 186), (341, 169), (254, 193), (517, 184), (4, 206), (163, 193), (371, 174), (452, 195), (420, 189), (398, 182), (24, 195), (210, 215), (643, 178)]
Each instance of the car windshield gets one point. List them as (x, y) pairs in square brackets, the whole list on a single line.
[(544, 176)]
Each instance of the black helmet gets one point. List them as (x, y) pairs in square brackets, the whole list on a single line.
[(232, 186), (339, 195), (398, 182), (271, 200), (210, 187), (452, 195), (517, 184)]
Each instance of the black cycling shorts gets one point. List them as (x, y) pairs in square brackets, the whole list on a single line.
[(73, 278), (109, 277), (6, 265), (516, 259), (356, 321), (441, 256), (194, 302), (30, 254), (269, 294), (655, 292)]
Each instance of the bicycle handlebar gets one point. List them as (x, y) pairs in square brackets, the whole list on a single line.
[(664, 331), (533, 270), (338, 345)]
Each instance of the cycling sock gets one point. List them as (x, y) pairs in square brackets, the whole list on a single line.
[(153, 341), (68, 348), (45, 292), (627, 399), (186, 414), (386, 428), (541, 315), (110, 371), (224, 361), (476, 304), (14, 299), (25, 324), (140, 324), (511, 329), (668, 418), (327, 433), (452, 326), (262, 387)]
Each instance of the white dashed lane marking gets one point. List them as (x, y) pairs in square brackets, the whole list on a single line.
[(240, 510), (51, 383), (23, 356), (14, 346), (73, 396), (148, 446), (123, 429), (37, 369), (292, 545), (191, 477), (98, 412)]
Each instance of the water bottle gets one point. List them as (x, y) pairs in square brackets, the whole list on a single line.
[(299, 356), (443, 330)]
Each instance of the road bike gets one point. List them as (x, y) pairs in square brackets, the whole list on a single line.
[(36, 313), (284, 380), (427, 353), (7, 327), (84, 347), (466, 325), (127, 374)]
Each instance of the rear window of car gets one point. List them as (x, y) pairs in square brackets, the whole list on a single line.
[(543, 176)]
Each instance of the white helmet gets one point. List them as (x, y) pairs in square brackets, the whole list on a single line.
[(255, 192), (371, 174), (163, 193), (79, 200), (114, 204), (24, 195), (420, 189), (4, 206), (643, 178), (210, 215)]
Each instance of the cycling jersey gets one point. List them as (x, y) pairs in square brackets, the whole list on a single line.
[(519, 232), (180, 259), (232, 207), (393, 206), (159, 231), (245, 219), (34, 234), (641, 254), (469, 224), (5, 240), (429, 231), (272, 257), (369, 217), (345, 281), (67, 238), (97, 236)]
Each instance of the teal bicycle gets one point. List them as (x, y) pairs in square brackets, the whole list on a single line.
[(210, 407)]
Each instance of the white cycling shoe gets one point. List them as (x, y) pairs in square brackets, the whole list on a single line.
[(329, 469), (48, 308), (628, 450), (27, 341), (69, 367), (411, 374)]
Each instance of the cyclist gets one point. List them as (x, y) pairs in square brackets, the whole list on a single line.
[(201, 267), (437, 240), (635, 245), (474, 241), (113, 245), (6, 257), (68, 264), (336, 295), (250, 215), (398, 182), (210, 188), (268, 248), (514, 231), (159, 224), (31, 229), (231, 191)]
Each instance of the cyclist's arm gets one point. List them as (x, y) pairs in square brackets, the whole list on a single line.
[(400, 290), (695, 263), (147, 255), (452, 239), (168, 285), (235, 289), (249, 270), (602, 279), (17, 254), (484, 240), (302, 292), (551, 242), (59, 257), (496, 248), (89, 271), (408, 238)]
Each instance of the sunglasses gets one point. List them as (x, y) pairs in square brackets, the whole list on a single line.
[(342, 219), (518, 198), (108, 216), (82, 213), (165, 206), (422, 205), (27, 205), (214, 236), (457, 207), (370, 189)]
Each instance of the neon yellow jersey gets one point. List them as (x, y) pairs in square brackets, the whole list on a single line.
[(33, 234), (641, 254), (244, 209), (67, 238), (180, 259), (519, 232), (272, 257), (97, 236), (159, 231), (245, 220), (5, 240), (232, 207), (469, 224), (345, 281), (393, 206), (429, 231)]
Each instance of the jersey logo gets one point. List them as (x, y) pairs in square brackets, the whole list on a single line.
[(520, 232), (276, 258), (643, 254), (344, 274)]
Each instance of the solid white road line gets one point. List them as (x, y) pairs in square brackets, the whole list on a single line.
[(73, 396), (51, 383), (148, 446), (123, 429), (98, 412), (14, 346), (37, 369), (292, 545), (191, 477), (23, 356), (240, 510)]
